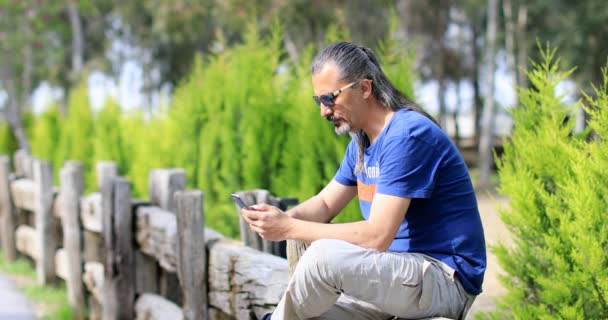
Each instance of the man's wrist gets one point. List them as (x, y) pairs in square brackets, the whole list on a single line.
[(291, 228), (291, 213)]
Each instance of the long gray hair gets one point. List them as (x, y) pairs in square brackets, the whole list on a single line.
[(357, 63)]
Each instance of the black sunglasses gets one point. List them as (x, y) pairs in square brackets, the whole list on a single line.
[(328, 99)]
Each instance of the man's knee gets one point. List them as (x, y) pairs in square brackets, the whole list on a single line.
[(324, 254)]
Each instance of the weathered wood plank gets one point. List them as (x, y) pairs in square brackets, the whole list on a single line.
[(119, 283), (23, 191), (109, 299), (94, 250), (295, 250), (25, 238), (243, 280), (56, 209), (23, 164), (154, 307), (192, 255), (93, 279), (61, 264), (45, 224), (156, 232), (8, 221), (169, 287), (162, 184), (105, 169), (91, 214), (248, 236), (94, 308), (146, 277), (72, 188), (156, 235)]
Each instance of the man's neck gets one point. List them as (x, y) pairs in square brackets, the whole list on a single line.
[(377, 119)]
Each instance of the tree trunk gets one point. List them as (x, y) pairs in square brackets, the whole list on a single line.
[(404, 8), (291, 48), (476, 90), (485, 143), (13, 115), (77, 39), (510, 43), (442, 17), (26, 77), (456, 113), (522, 45)]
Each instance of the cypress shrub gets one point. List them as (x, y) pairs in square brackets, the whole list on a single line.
[(76, 141), (46, 134), (8, 142), (142, 145), (107, 140), (557, 267)]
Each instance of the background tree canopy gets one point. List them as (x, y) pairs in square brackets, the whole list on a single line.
[(237, 111)]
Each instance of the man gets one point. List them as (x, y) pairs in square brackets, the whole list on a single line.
[(420, 251)]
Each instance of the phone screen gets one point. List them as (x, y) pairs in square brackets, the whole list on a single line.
[(239, 201)]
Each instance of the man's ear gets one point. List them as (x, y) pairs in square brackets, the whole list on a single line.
[(366, 88)]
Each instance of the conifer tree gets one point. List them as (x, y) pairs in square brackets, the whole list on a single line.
[(77, 135), (557, 267), (142, 143), (8, 143), (108, 138), (46, 135)]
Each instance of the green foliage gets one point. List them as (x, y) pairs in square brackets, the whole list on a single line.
[(8, 142), (77, 135), (557, 182), (142, 143), (242, 119), (46, 135), (107, 140)]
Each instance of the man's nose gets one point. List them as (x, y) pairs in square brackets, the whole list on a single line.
[(325, 111)]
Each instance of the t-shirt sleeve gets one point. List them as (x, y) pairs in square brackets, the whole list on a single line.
[(408, 168), (346, 171)]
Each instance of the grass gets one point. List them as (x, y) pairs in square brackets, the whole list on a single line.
[(51, 302)]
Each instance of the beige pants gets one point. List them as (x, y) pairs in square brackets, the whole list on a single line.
[(337, 280)]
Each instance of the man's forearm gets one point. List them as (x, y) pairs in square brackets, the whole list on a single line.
[(313, 209), (361, 233)]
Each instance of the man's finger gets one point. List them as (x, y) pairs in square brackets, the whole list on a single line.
[(252, 214), (261, 207)]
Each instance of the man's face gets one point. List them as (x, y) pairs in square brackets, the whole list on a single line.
[(326, 81)]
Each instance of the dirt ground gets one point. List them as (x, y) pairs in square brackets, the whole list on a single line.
[(494, 230)]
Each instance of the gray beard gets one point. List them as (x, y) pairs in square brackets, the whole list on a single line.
[(343, 129)]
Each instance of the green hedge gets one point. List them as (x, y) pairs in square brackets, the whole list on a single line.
[(243, 119), (557, 267)]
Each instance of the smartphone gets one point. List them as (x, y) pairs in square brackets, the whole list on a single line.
[(239, 201)]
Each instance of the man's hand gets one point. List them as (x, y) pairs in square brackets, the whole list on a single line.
[(269, 222)]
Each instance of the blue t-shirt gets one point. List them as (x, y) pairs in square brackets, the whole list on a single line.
[(413, 158)]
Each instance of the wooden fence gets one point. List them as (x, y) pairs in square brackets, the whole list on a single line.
[(126, 258)]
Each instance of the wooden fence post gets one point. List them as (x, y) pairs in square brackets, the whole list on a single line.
[(192, 254), (23, 164), (45, 225), (162, 185), (248, 236), (104, 170), (72, 188), (119, 280), (7, 211)]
